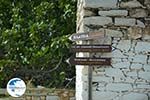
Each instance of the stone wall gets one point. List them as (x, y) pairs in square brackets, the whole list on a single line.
[(126, 24), (40, 94)]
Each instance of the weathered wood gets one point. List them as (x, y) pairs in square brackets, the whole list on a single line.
[(89, 61), (91, 48), (86, 36)]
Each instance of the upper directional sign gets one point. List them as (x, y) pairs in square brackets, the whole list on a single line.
[(91, 48), (86, 36)]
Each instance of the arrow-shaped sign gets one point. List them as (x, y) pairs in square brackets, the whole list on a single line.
[(89, 61), (86, 36), (91, 48)]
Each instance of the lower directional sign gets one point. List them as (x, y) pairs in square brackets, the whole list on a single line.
[(89, 61)]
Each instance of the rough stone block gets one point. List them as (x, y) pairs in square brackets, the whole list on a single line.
[(97, 21), (113, 13), (125, 21), (147, 21), (121, 65), (118, 80), (147, 67), (135, 96), (99, 68), (82, 28), (114, 45), (118, 54), (132, 74), (52, 97), (115, 60), (142, 47), (138, 13), (130, 59), (140, 59), (135, 32), (124, 60), (112, 72), (145, 75), (144, 86), (98, 86), (129, 80), (130, 54), (113, 33), (106, 40), (136, 66), (101, 79), (147, 3), (146, 35), (133, 44), (118, 87), (140, 24), (100, 3), (104, 95), (115, 41), (140, 81), (89, 13), (98, 73), (148, 61), (114, 54), (124, 45), (131, 4)]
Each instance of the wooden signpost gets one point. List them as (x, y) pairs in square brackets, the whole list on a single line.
[(89, 61), (91, 48), (86, 36)]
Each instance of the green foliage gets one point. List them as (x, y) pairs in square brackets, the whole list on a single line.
[(34, 36)]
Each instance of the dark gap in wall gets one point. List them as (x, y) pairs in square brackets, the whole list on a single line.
[(126, 0), (94, 27), (94, 10), (113, 19), (147, 21), (141, 19), (148, 12), (141, 1)]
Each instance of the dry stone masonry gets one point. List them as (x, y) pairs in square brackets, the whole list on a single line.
[(126, 24)]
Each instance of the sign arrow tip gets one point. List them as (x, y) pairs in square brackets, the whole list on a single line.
[(67, 61), (70, 38)]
